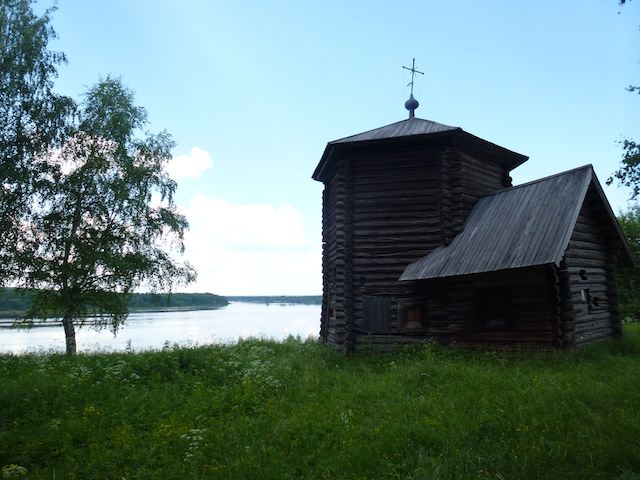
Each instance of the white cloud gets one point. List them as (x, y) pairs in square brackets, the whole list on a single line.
[(245, 227), (190, 166), (258, 249)]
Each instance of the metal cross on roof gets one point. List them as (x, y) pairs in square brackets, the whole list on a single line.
[(413, 73)]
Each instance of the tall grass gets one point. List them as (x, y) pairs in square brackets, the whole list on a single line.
[(296, 409)]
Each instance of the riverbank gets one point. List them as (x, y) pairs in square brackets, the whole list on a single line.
[(296, 409), (14, 303)]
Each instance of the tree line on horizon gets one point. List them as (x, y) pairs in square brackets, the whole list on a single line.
[(15, 302)]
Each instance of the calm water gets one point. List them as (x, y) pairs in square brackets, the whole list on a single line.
[(152, 330)]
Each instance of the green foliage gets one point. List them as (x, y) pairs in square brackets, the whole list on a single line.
[(152, 301), (629, 172), (629, 277), (32, 118), (12, 300), (295, 409), (107, 223), (14, 303), (80, 224)]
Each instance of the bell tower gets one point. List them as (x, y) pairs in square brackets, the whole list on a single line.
[(392, 195)]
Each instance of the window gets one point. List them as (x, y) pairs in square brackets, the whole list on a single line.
[(591, 301), (377, 314), (412, 315), (494, 309)]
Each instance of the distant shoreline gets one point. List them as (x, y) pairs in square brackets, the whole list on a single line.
[(14, 303), (8, 317), (278, 299)]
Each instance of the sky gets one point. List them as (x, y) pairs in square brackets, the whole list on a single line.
[(252, 92)]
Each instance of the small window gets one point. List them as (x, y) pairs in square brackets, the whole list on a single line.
[(494, 309), (583, 274), (591, 301), (413, 316), (377, 314)]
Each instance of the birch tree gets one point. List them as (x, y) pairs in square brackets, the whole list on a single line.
[(109, 223)]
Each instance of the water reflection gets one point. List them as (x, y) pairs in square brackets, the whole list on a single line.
[(153, 330)]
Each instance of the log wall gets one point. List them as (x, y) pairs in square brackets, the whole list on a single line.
[(383, 208), (591, 265), (334, 245), (453, 308), (396, 220)]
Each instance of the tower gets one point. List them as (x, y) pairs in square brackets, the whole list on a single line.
[(392, 195)]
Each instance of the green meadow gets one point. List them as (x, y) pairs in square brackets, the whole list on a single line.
[(296, 409)]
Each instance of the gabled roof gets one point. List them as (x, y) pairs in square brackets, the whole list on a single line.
[(522, 226), (410, 129)]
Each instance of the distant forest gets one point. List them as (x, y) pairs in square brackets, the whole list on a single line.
[(14, 302), (298, 300)]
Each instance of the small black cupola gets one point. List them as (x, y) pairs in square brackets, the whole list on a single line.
[(412, 104)]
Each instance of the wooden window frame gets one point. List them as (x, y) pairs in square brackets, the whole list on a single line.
[(404, 307)]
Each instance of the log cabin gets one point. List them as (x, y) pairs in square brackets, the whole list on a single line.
[(425, 237)]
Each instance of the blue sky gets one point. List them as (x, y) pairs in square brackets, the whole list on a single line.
[(252, 92)]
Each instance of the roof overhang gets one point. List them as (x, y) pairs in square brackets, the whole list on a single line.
[(456, 136)]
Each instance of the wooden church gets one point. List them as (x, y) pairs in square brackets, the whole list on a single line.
[(425, 237)]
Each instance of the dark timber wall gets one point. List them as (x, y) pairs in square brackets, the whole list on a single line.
[(591, 260), (334, 246), (384, 207), (453, 308)]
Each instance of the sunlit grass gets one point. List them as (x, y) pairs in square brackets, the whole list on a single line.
[(299, 410)]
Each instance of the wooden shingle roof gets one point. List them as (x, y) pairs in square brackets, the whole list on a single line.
[(409, 130), (522, 226), (405, 128)]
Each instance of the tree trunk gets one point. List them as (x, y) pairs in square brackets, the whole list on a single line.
[(69, 334)]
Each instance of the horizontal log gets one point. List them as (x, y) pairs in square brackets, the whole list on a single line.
[(587, 254), (508, 337), (575, 271), (383, 210), (590, 229), (393, 222), (367, 233), (418, 181), (587, 245), (591, 278), (415, 214), (603, 315), (376, 338), (584, 263), (583, 317), (588, 236), (602, 326), (593, 336)]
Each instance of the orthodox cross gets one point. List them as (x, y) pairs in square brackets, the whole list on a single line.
[(413, 73)]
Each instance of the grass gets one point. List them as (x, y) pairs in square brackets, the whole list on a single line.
[(298, 410)]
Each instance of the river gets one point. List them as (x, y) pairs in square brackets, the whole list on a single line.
[(143, 331)]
